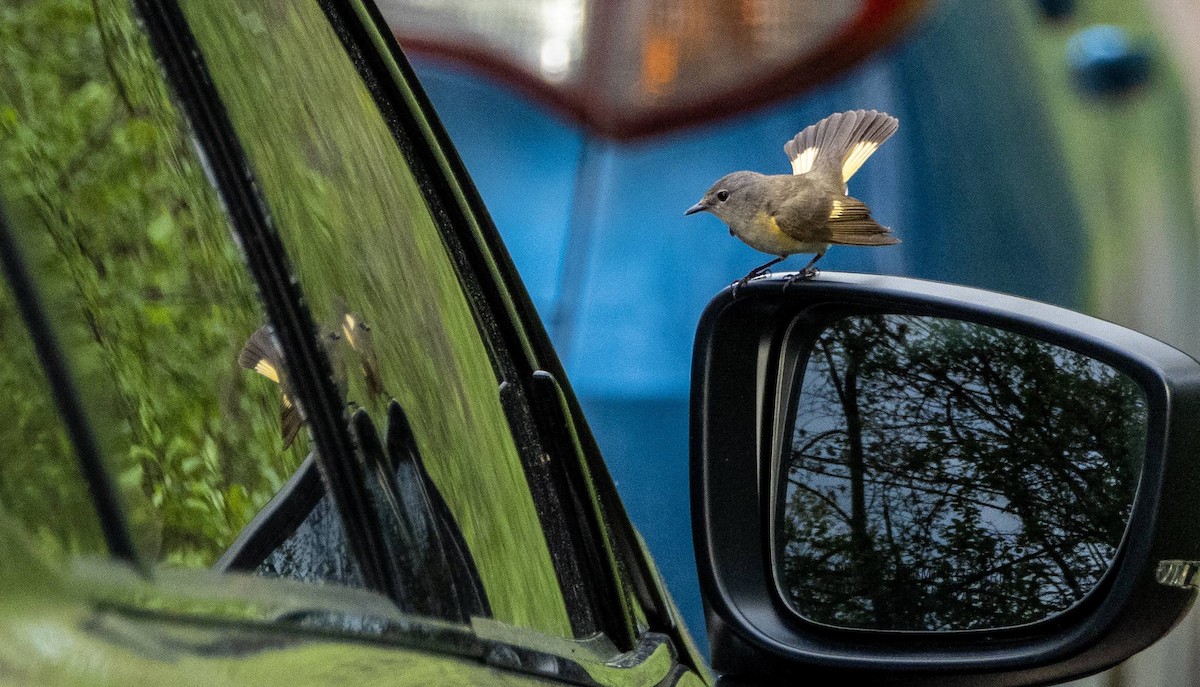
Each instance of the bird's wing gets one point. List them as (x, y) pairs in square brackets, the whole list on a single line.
[(289, 419), (370, 366), (850, 223), (262, 355), (798, 208), (841, 142)]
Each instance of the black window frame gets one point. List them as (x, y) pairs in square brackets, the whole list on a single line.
[(583, 518), (544, 410), (502, 337)]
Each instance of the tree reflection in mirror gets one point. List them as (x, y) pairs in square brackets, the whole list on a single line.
[(945, 475)]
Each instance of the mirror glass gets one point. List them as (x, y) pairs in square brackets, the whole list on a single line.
[(944, 475)]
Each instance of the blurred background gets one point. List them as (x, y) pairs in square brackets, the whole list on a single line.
[(1045, 149)]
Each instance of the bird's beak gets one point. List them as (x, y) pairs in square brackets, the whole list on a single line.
[(695, 208)]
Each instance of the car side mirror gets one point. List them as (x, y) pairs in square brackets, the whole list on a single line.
[(903, 482)]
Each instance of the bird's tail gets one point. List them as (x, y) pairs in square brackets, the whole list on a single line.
[(841, 142), (261, 354)]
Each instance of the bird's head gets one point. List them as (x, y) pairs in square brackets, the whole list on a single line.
[(722, 198)]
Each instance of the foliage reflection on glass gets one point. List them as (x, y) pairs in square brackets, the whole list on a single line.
[(141, 277), (945, 475)]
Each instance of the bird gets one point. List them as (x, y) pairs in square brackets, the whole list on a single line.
[(362, 341), (262, 354), (810, 209)]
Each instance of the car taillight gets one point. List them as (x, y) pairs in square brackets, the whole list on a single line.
[(629, 68)]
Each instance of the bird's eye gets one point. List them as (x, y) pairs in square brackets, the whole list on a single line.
[(722, 195)]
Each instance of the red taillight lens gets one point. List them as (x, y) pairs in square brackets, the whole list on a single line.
[(633, 67)]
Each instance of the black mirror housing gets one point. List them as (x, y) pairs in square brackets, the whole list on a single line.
[(743, 381)]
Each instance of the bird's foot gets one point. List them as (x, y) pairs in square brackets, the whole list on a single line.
[(754, 274), (803, 275)]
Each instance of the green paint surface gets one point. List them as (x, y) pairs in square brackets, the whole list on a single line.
[(357, 227), (51, 633)]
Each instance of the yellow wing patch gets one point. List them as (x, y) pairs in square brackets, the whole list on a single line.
[(267, 370), (349, 323), (839, 209), (857, 156), (803, 163)]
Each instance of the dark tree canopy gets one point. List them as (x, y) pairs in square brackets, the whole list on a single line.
[(946, 475)]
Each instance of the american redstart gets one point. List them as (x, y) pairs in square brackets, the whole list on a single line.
[(808, 210), (356, 333), (263, 355)]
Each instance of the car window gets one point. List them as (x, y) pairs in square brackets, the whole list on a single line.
[(373, 262), (145, 286)]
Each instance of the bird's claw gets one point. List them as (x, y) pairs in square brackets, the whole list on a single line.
[(803, 275), (755, 274)]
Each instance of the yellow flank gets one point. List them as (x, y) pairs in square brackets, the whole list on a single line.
[(804, 161), (769, 223), (267, 370), (765, 234)]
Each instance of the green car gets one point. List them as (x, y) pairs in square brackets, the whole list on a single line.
[(278, 411)]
